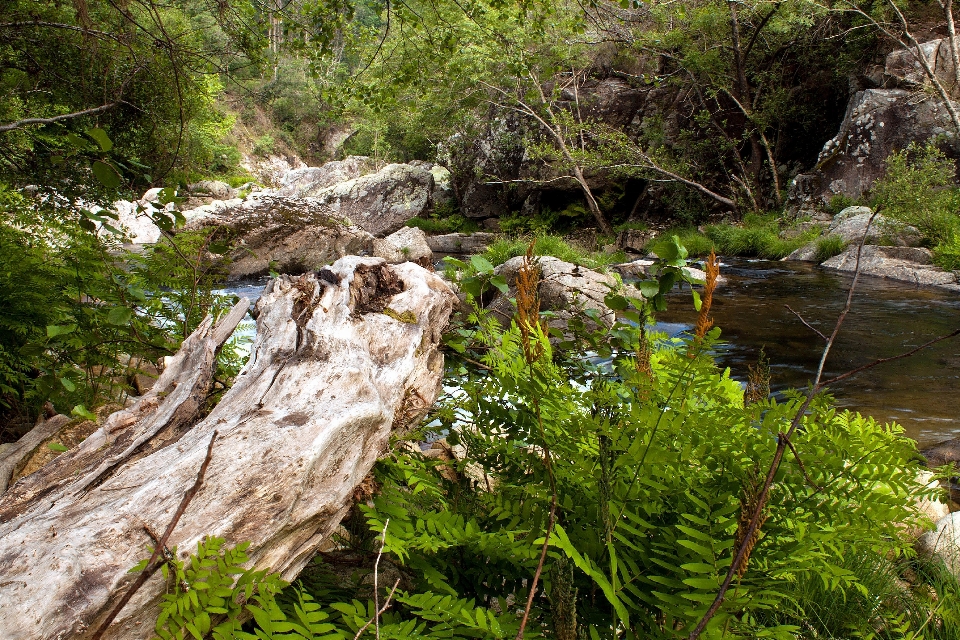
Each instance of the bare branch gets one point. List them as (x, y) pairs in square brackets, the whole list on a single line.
[(19, 124), (152, 563), (805, 323)]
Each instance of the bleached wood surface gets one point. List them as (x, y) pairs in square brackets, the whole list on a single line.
[(330, 376)]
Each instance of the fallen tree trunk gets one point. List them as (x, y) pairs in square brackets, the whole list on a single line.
[(341, 359)]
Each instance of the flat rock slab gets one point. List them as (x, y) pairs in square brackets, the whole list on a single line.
[(461, 243), (906, 264), (283, 234)]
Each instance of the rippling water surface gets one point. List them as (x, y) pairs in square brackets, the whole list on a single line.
[(921, 392)]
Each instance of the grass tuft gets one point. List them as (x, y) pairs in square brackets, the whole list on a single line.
[(551, 245)]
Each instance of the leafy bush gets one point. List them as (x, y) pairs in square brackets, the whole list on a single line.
[(646, 508), (78, 314), (551, 245), (264, 145), (840, 202), (758, 236), (451, 224), (918, 189)]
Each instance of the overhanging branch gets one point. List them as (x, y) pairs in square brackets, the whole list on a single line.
[(19, 124)]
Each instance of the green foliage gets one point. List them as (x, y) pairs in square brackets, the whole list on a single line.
[(548, 220), (209, 593), (829, 246), (264, 145), (550, 245), (78, 315), (647, 507), (454, 223), (840, 202), (758, 236), (155, 68), (918, 189)]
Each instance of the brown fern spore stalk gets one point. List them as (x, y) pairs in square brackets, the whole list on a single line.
[(704, 321), (528, 318), (528, 304)]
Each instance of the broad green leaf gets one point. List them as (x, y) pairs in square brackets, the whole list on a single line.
[(106, 174), (120, 315), (102, 139)]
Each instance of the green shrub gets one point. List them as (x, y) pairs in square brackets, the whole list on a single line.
[(840, 202), (550, 245), (454, 223), (264, 145), (73, 304), (918, 189), (647, 505), (947, 254), (829, 246), (758, 236)]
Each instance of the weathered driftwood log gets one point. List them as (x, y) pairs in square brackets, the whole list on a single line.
[(341, 358)]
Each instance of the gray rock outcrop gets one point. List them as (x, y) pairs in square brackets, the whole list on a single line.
[(310, 181), (382, 202), (907, 264), (851, 225), (215, 189), (944, 542), (288, 235), (565, 288), (903, 68), (877, 123), (408, 244), (461, 243)]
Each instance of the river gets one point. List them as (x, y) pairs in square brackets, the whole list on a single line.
[(887, 318)]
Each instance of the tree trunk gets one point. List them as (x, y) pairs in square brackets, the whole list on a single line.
[(329, 378)]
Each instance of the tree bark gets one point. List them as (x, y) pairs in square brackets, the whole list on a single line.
[(330, 376)]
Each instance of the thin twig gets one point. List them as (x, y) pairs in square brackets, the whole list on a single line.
[(376, 574), (923, 346), (152, 564), (543, 552), (800, 463), (805, 323), (378, 613)]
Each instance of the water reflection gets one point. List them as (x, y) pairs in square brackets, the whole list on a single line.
[(886, 319)]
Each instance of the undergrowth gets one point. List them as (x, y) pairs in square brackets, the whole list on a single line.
[(550, 245), (621, 464), (758, 236)]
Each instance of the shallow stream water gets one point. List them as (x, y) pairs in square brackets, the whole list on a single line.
[(887, 318), (921, 392)]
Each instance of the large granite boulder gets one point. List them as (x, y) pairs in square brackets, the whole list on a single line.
[(903, 68), (566, 289), (943, 543), (310, 181), (907, 264), (408, 244), (382, 202), (852, 224), (270, 170), (877, 123), (216, 189), (287, 235)]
